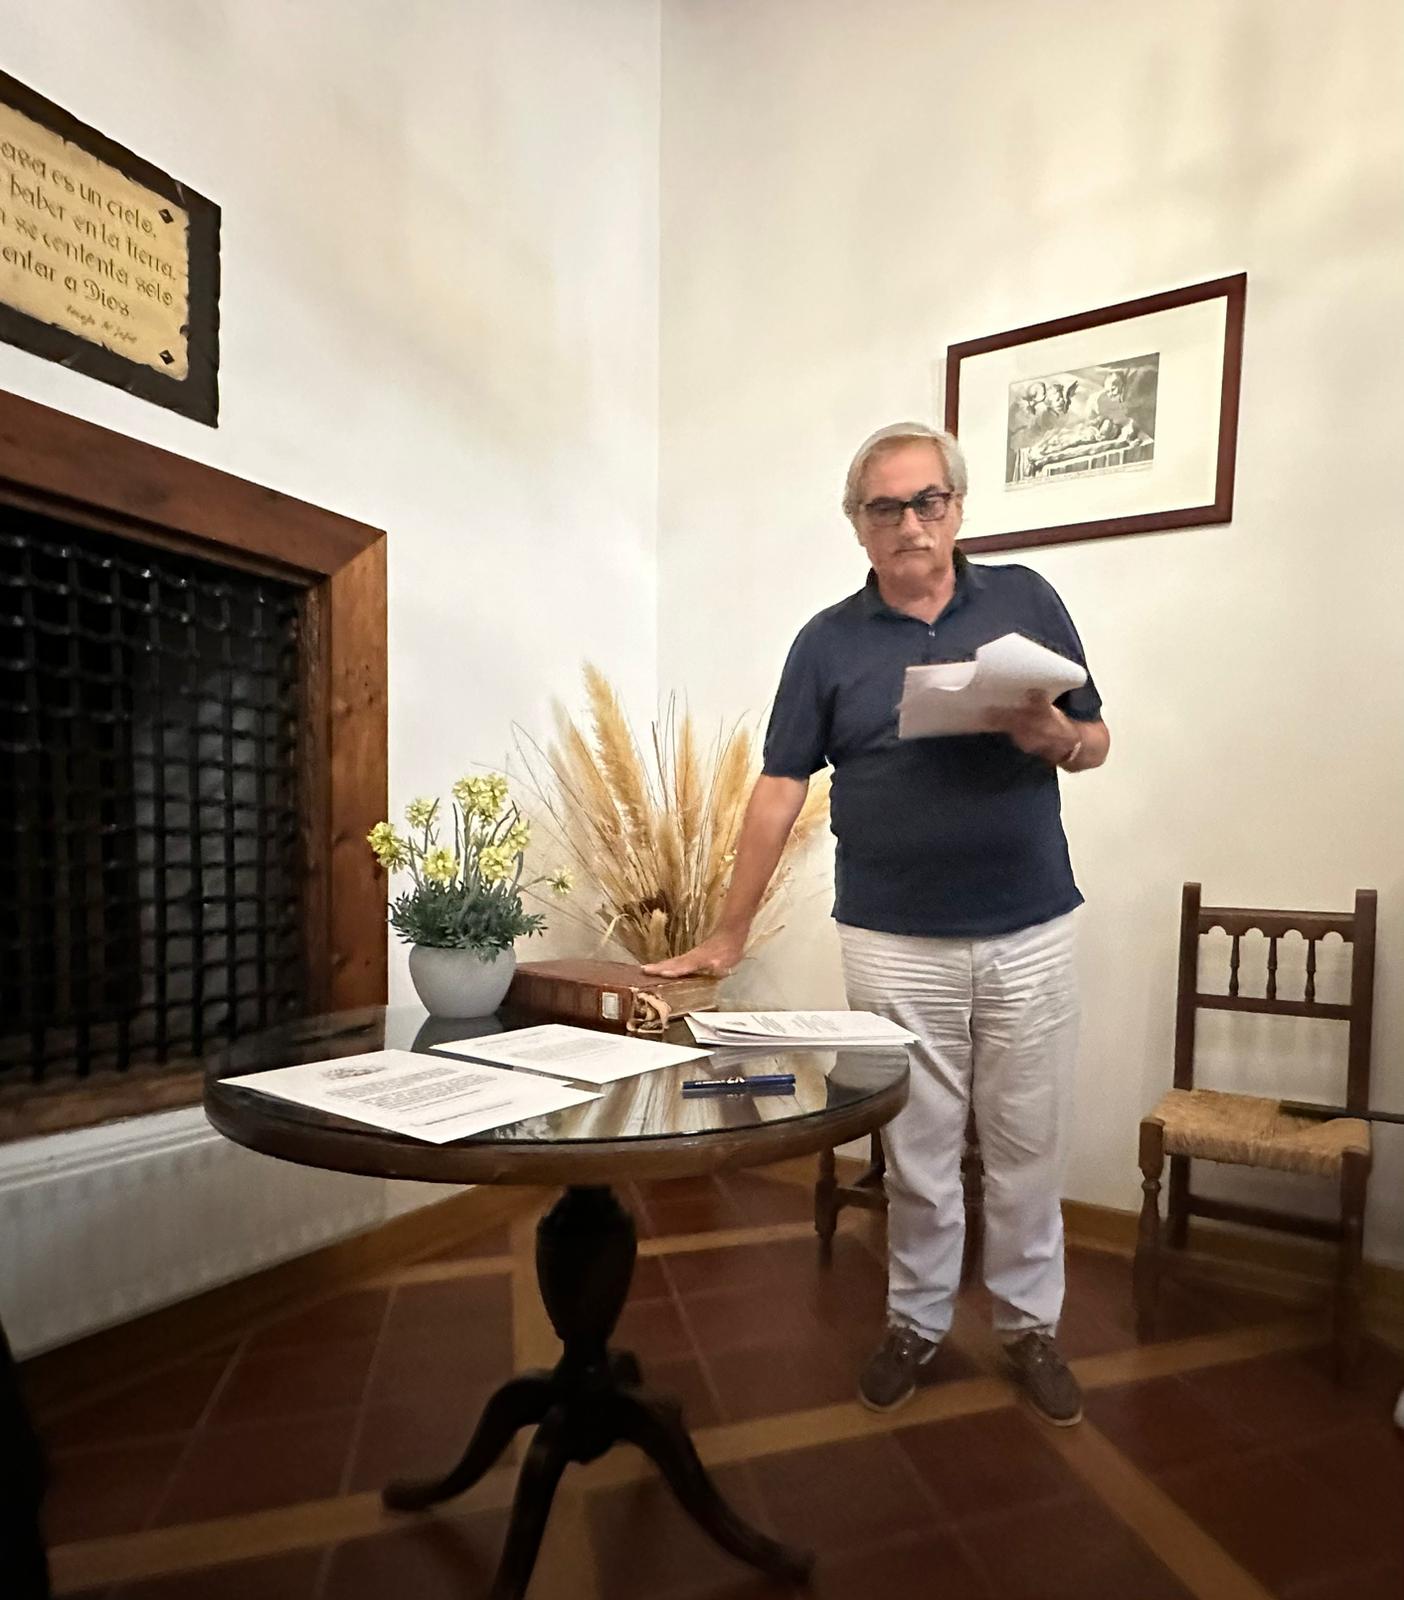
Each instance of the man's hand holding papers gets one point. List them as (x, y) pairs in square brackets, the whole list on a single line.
[(972, 696)]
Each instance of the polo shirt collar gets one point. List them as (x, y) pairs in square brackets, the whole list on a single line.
[(968, 577)]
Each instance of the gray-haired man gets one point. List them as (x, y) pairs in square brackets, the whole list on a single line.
[(954, 902)]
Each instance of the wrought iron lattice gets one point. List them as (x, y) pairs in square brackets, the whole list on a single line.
[(150, 840)]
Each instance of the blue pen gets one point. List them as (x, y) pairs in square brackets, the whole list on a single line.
[(741, 1085)]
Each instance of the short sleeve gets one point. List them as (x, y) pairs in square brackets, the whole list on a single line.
[(797, 736), (1056, 630)]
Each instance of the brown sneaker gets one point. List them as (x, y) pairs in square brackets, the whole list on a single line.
[(1043, 1376), (889, 1379)]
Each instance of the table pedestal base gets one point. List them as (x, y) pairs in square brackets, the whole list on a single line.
[(593, 1399)]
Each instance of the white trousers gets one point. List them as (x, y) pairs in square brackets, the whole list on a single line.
[(997, 1023)]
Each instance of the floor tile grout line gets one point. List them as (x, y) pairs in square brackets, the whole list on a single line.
[(725, 1444), (188, 1449), (1172, 1357), (672, 1244), (296, 1305), (279, 1530), (358, 1428), (112, 1388), (949, 1526), (205, 1350), (568, 1529), (652, 1246), (699, 1355), (1177, 1541), (440, 1272), (324, 1566)]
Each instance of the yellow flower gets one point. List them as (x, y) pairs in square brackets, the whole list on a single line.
[(517, 838), (390, 849), (562, 881), (440, 866), (481, 797), (420, 813), (496, 863)]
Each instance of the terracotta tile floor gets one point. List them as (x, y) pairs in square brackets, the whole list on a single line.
[(1222, 1463)]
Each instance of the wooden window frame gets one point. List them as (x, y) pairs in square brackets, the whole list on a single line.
[(77, 472)]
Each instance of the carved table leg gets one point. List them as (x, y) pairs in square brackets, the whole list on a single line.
[(524, 1400), (655, 1425), (592, 1400), (531, 1505)]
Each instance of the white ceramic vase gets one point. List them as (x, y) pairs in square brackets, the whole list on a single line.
[(460, 983)]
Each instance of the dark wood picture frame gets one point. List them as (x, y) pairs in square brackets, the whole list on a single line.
[(1233, 290), (197, 394), (76, 472)]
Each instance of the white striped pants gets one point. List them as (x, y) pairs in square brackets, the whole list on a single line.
[(997, 1023)]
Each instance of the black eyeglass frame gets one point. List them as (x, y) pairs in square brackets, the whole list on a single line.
[(885, 512)]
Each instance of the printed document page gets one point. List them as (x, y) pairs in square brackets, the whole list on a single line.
[(580, 1053), (416, 1095), (841, 1029), (957, 696)]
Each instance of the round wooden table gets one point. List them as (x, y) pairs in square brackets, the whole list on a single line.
[(641, 1128)]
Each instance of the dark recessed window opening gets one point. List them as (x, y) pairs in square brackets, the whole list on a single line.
[(151, 874)]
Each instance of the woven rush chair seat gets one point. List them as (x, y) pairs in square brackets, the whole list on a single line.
[(1253, 1131), (1192, 1124)]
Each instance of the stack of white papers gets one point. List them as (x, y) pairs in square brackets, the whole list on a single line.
[(958, 696), (583, 1054), (416, 1095), (842, 1030)]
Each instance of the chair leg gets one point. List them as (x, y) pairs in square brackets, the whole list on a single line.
[(1349, 1307), (1146, 1271), (1177, 1203), (972, 1177), (826, 1205), (877, 1158)]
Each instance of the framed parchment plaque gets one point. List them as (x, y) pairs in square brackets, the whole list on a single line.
[(107, 264)]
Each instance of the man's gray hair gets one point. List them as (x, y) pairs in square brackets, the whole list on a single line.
[(891, 438)]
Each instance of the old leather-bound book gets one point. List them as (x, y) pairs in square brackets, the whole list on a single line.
[(614, 995)]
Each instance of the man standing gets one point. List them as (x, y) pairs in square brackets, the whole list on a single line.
[(954, 902)]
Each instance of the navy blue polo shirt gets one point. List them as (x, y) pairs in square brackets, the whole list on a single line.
[(955, 837)]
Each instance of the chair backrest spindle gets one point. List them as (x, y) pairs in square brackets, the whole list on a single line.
[(1356, 928)]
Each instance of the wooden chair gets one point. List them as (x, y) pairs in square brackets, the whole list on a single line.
[(867, 1191), (1249, 1130)]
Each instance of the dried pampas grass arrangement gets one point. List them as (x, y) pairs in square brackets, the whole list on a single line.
[(655, 836)]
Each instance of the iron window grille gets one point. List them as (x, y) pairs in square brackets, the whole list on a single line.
[(151, 874)]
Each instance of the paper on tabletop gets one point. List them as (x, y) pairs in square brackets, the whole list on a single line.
[(583, 1054), (417, 1095), (838, 1029)]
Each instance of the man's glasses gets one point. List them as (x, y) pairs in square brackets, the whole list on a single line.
[(930, 506)]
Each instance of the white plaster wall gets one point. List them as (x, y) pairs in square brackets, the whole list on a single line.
[(846, 191), (438, 311), (439, 316)]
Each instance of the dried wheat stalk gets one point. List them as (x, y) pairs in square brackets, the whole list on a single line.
[(656, 837)]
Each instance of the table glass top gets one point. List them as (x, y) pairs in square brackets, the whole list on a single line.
[(649, 1106)]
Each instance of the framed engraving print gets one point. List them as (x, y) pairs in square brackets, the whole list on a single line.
[(107, 264), (1123, 420)]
